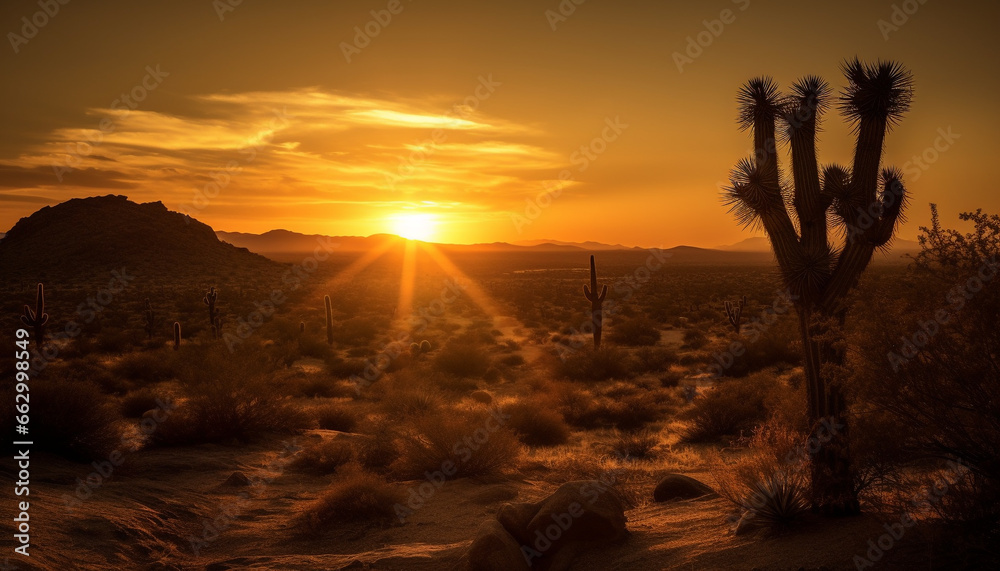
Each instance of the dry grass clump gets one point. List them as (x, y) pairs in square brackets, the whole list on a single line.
[(137, 402), (731, 408), (463, 359), (334, 417), (358, 496), (380, 451), (475, 443), (640, 445), (590, 365), (635, 332), (536, 424), (72, 419), (323, 457)]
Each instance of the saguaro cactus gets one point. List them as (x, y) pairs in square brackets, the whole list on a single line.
[(329, 319), (596, 302), (210, 298), (864, 200), (150, 318), (37, 318), (177, 335), (734, 311)]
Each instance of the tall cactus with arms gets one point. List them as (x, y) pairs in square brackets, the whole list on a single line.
[(37, 318), (596, 303), (865, 201)]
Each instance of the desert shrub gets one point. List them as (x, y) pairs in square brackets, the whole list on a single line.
[(314, 386), (586, 364), (776, 345), (411, 402), (731, 407), (74, 420), (137, 402), (334, 417), (640, 444), (463, 360), (380, 451), (635, 332), (323, 457), (115, 340), (537, 425), (313, 347), (358, 496), (89, 369), (355, 331), (511, 360), (147, 367), (694, 339), (474, 442), (654, 359), (343, 369), (770, 479)]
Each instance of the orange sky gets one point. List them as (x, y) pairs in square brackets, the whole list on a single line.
[(490, 102)]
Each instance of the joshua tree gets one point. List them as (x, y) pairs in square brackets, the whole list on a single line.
[(177, 335), (734, 311), (796, 213), (596, 301), (329, 319), (210, 297), (38, 318), (150, 318)]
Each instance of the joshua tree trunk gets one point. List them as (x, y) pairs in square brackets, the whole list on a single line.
[(863, 201)]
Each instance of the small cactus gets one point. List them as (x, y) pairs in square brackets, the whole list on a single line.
[(302, 327), (596, 302), (177, 335), (38, 318), (217, 326), (425, 346), (150, 318), (734, 310), (210, 298), (329, 319), (415, 348)]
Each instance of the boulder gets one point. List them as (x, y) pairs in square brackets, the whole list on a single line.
[(515, 518), (586, 512), (493, 549), (481, 396), (679, 487), (237, 479)]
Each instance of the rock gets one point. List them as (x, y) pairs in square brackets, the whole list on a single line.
[(494, 549), (584, 512), (481, 396), (678, 487), (516, 517), (237, 479)]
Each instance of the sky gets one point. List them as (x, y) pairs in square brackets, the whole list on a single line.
[(467, 121)]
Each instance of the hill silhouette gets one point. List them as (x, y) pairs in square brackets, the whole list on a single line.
[(85, 238)]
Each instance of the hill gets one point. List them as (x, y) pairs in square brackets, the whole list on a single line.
[(87, 238)]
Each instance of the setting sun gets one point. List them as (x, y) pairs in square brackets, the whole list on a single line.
[(414, 226)]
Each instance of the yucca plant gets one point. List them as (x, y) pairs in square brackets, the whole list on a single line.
[(776, 501), (864, 202)]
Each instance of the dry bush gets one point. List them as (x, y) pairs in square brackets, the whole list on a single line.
[(310, 385), (380, 451), (323, 457), (639, 445), (358, 496), (694, 339), (137, 402), (590, 365), (334, 417), (731, 408), (635, 332), (73, 420), (463, 438), (536, 424), (463, 360), (145, 367), (654, 359), (770, 479), (343, 369), (415, 401)]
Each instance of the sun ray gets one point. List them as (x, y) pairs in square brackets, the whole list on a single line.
[(404, 307), (472, 289), (355, 267)]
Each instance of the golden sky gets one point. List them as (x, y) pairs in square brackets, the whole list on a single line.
[(462, 114)]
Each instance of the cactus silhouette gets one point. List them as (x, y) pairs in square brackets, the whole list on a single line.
[(177, 335), (596, 303), (210, 298), (425, 346), (217, 326), (734, 311), (37, 318), (865, 201), (329, 319), (150, 318), (302, 327)]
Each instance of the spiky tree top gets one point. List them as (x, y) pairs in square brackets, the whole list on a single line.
[(864, 201)]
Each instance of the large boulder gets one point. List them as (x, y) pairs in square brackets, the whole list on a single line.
[(679, 487), (586, 512), (516, 517), (494, 549)]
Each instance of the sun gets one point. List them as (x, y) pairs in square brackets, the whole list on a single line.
[(414, 226)]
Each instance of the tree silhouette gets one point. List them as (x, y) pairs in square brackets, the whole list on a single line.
[(864, 202)]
